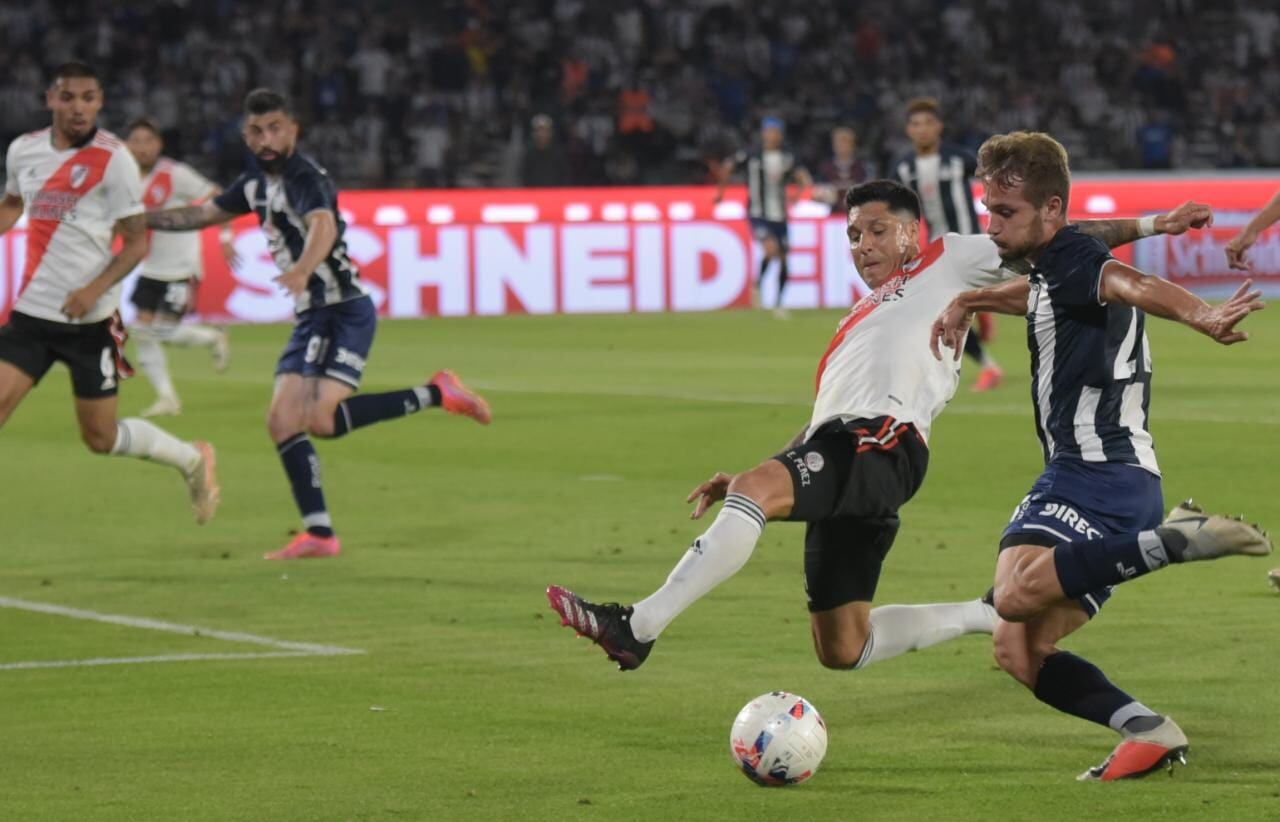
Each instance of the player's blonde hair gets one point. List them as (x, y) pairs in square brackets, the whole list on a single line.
[(1031, 158)]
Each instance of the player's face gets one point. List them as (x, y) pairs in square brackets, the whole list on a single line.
[(771, 138), (881, 241), (75, 103), (843, 143), (271, 137), (1017, 227), (145, 146), (924, 130)]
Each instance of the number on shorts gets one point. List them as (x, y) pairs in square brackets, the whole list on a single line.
[(108, 364)]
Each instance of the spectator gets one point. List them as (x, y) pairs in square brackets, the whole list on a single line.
[(545, 164)]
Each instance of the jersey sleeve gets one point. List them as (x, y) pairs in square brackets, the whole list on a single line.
[(312, 191), (233, 200), (190, 185), (976, 259), (123, 185), (11, 172), (1074, 272)]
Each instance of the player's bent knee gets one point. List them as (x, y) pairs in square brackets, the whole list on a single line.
[(99, 442), (1014, 660), (840, 656)]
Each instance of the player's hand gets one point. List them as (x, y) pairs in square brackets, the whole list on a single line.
[(709, 493), (1220, 321), (1236, 248), (949, 329), (1185, 217), (81, 301), (230, 254), (294, 281)]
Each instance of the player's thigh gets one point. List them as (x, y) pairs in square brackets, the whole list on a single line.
[(1021, 647), (840, 634), (843, 558), (287, 414), (771, 247), (768, 485), (97, 419), (14, 385)]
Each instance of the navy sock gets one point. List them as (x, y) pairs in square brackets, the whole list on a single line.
[(1075, 686), (783, 274), (302, 466), (764, 267), (1092, 564), (973, 347), (366, 409)]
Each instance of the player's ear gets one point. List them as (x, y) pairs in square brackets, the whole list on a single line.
[(1053, 207)]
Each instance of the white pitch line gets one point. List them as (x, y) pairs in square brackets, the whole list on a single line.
[(286, 648), (135, 660)]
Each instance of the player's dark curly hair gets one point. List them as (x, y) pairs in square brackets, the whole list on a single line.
[(74, 68), (147, 123), (893, 194), (264, 100)]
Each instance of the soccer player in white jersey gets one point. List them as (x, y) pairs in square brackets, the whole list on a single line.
[(1093, 519), (171, 271), (79, 186), (860, 458)]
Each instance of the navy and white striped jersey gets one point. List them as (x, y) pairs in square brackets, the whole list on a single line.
[(1090, 361), (768, 173), (942, 182), (281, 202)]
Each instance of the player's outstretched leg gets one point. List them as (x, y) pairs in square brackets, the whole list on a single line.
[(990, 376), (444, 390), (204, 336), (1072, 570), (607, 625)]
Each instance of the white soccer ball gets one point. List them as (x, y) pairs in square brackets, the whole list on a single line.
[(778, 739)]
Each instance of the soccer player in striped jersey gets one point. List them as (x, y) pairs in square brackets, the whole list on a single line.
[(769, 170), (860, 458), (320, 370), (941, 173), (1094, 517), (171, 271), (79, 188)]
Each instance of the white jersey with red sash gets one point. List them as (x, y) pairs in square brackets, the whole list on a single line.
[(879, 362), (73, 198), (174, 255)]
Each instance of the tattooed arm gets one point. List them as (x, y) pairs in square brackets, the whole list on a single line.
[(1115, 233), (188, 218), (134, 232)]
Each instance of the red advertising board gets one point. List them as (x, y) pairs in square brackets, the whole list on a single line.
[(495, 252)]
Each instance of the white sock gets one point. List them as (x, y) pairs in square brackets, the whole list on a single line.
[(714, 557), (140, 439), (154, 364), (896, 629), (189, 334)]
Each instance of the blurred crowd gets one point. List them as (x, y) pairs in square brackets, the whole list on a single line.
[(399, 93)]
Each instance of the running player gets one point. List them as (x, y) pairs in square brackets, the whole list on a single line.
[(1093, 518), (942, 174), (79, 186), (860, 458), (769, 170), (166, 285), (320, 370)]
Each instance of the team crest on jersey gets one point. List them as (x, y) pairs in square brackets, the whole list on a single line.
[(814, 461), (79, 174)]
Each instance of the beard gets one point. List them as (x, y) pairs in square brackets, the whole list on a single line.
[(273, 164)]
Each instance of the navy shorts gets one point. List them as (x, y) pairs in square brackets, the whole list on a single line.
[(331, 341), (764, 229), (1074, 501)]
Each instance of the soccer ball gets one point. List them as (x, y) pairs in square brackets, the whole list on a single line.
[(778, 739)]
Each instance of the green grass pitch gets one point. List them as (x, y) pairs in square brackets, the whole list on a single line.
[(472, 703)]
